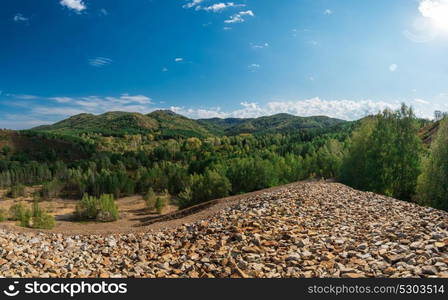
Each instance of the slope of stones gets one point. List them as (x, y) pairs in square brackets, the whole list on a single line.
[(312, 229)]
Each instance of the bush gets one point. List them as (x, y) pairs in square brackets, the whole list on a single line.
[(160, 204), (40, 218), (150, 199), (103, 209), (108, 210), (17, 211), (87, 208), (36, 218), (185, 197), (3, 215), (52, 189), (17, 191)]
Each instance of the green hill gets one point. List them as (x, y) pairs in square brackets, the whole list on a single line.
[(172, 124), (270, 124), (109, 123), (166, 123)]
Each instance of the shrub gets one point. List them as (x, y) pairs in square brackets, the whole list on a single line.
[(160, 204), (185, 197), (3, 215), (17, 211), (36, 218), (108, 210), (52, 189), (103, 209), (16, 191), (150, 199), (87, 208)]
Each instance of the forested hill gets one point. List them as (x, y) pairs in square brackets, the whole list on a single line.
[(168, 123)]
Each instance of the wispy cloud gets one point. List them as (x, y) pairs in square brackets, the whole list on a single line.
[(178, 59), (328, 12), (62, 99), (99, 62), (259, 46), (67, 106), (342, 109), (193, 3), (421, 101), (253, 67), (76, 5), (104, 12), (393, 67), (20, 18), (218, 7), (240, 17)]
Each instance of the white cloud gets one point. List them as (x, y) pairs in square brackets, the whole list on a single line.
[(178, 59), (421, 101), (14, 121), (164, 69), (393, 67), (62, 99), (342, 109), (240, 17), (77, 5), (253, 67), (100, 62), (104, 12), (328, 12), (193, 3), (94, 104), (20, 18), (260, 46), (24, 96), (218, 7)]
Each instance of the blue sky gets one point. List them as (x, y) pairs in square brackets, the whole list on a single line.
[(209, 58)]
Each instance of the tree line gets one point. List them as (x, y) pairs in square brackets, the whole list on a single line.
[(191, 169), (382, 153), (387, 156)]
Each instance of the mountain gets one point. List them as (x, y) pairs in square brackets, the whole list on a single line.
[(270, 124), (169, 124), (23, 146), (108, 123)]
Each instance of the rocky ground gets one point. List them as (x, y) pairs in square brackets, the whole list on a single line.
[(313, 229)]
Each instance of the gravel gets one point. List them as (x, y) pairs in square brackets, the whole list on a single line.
[(310, 229)]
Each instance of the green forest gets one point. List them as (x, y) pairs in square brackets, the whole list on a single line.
[(120, 154)]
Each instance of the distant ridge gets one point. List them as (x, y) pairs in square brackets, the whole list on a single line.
[(169, 123)]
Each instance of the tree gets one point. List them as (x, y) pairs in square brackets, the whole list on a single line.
[(432, 188), (385, 155), (354, 167)]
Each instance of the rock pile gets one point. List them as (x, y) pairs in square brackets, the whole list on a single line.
[(312, 229)]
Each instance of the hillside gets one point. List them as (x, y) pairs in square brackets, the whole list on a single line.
[(172, 124), (279, 123), (22, 146), (428, 132), (306, 229), (168, 123), (108, 123)]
